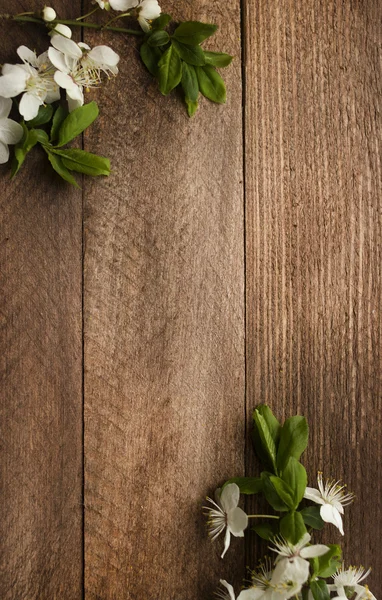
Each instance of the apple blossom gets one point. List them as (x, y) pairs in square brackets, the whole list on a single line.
[(226, 514), (34, 79), (48, 14), (148, 10), (333, 497), (351, 578)]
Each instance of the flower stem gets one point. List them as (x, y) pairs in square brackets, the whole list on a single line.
[(27, 19), (126, 14), (263, 517), (88, 14)]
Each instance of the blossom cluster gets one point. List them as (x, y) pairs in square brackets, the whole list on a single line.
[(300, 569)]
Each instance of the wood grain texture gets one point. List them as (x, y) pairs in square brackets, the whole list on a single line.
[(313, 229), (41, 368), (164, 329)]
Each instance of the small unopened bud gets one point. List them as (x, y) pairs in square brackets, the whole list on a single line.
[(48, 14), (61, 29)]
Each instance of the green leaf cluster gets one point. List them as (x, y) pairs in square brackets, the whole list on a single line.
[(179, 60), (61, 128)]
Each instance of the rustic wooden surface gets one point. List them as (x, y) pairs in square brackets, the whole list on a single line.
[(314, 241), (41, 370), (165, 286)]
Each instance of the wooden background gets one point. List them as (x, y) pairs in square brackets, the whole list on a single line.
[(229, 260)]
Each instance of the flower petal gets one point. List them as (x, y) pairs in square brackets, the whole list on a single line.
[(13, 83), (66, 46), (251, 594), (74, 103), (29, 105), (237, 521), (330, 514), (57, 59), (315, 550), (64, 80), (227, 540), (229, 497), (27, 55), (291, 569), (363, 593), (4, 153), (10, 131), (313, 495), (104, 56), (122, 4), (229, 587), (5, 107)]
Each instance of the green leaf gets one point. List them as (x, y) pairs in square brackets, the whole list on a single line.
[(194, 32), (247, 485), (267, 531), (161, 22), (293, 440), (319, 590), (190, 82), (312, 517), (271, 494), (283, 490), (192, 55), (217, 59), (59, 117), (170, 71), (326, 565), (292, 527), (150, 57), (192, 107), (158, 38), (295, 476), (19, 151), (273, 424), (76, 122), (42, 136), (263, 441), (211, 84), (84, 162), (60, 168), (44, 115)]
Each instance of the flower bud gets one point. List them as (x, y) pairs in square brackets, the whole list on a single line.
[(61, 29), (48, 14)]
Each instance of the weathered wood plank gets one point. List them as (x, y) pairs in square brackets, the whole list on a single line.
[(313, 214), (164, 329), (41, 368)]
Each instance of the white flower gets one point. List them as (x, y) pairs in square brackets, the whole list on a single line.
[(351, 578), (266, 584), (227, 593), (34, 78), (79, 67), (292, 558), (10, 131), (48, 14), (148, 10), (332, 497), (226, 514)]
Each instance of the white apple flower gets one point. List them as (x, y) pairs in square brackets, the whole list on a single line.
[(268, 584), (226, 514), (10, 131), (78, 67), (333, 497), (147, 11), (34, 79), (227, 593), (292, 558), (48, 14), (351, 578)]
